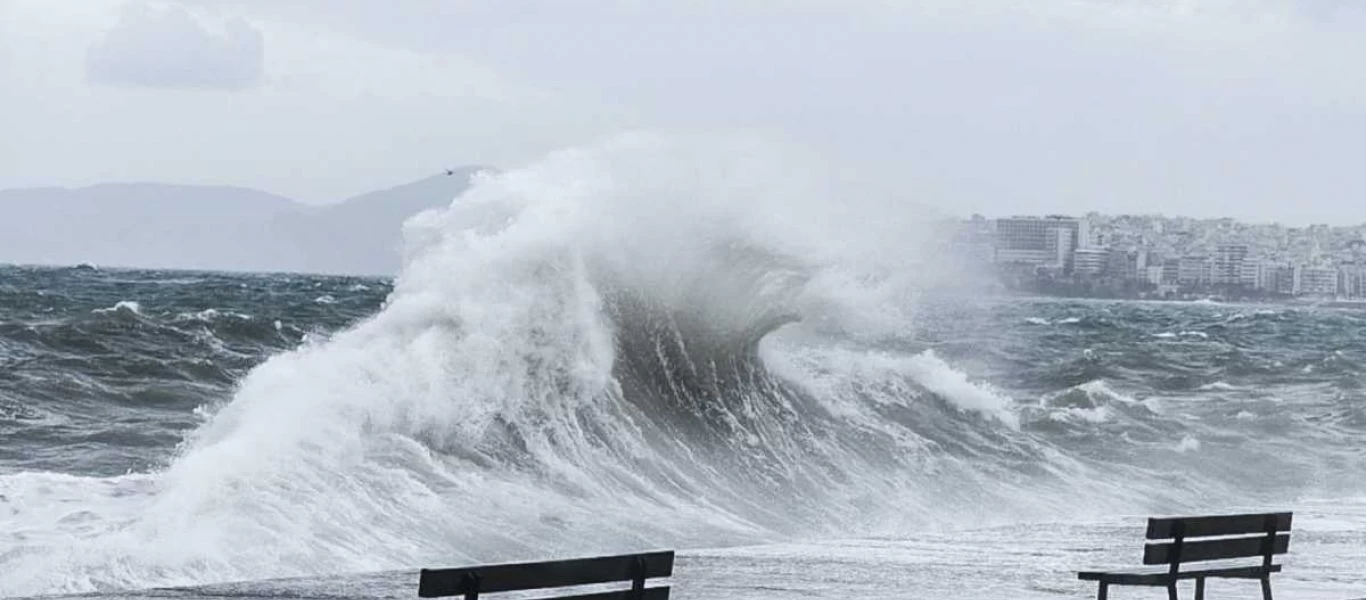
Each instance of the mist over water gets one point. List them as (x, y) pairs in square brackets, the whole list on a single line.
[(648, 342)]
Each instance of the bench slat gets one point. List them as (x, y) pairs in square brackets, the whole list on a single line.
[(1156, 554), (657, 593), (1155, 576), (435, 583), (1163, 528)]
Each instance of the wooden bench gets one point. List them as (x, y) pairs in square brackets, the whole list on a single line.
[(470, 582), (1181, 540)]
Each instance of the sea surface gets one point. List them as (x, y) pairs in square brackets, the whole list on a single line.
[(1000, 446), (643, 345)]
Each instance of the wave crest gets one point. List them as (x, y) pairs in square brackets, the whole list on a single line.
[(584, 354)]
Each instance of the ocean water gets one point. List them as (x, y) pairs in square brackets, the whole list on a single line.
[(642, 345)]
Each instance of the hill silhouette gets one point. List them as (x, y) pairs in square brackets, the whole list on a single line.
[(168, 226)]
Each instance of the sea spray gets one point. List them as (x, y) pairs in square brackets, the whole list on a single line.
[(645, 342)]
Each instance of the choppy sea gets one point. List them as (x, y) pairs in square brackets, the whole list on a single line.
[(178, 428), (573, 363)]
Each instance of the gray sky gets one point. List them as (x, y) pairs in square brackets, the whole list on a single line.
[(1248, 108)]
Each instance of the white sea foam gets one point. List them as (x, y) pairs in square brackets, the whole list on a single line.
[(569, 363), (847, 377), (122, 306), (1103, 398), (210, 315), (1168, 335), (480, 416), (1098, 414), (1219, 386), (937, 376)]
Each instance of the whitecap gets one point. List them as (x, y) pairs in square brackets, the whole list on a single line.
[(1169, 335), (1188, 444), (122, 306), (1099, 414), (1101, 393), (1219, 386), (210, 315), (953, 385)]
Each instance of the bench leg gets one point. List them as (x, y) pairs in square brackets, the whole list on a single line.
[(1266, 587), (1171, 591), (1199, 588), (1104, 592)]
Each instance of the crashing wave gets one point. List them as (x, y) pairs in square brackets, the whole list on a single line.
[(645, 342)]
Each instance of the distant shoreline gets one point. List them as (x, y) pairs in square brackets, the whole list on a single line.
[(1300, 302)]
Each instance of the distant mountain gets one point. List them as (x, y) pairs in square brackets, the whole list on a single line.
[(363, 234), (215, 228)]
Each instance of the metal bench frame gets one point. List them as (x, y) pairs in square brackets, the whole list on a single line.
[(1201, 539), (470, 582)]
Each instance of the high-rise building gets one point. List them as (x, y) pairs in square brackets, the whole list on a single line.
[(1062, 241), (1228, 260), (1154, 274), (973, 240), (1195, 270), (1285, 280), (1352, 281), (1171, 270), (1090, 261), (1253, 275), (1130, 265), (1039, 241), (1315, 281)]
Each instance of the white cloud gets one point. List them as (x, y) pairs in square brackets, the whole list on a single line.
[(1249, 108), (335, 115), (167, 47)]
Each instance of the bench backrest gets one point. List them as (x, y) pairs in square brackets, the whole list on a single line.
[(470, 582), (1216, 537)]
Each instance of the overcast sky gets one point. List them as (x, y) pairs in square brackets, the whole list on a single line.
[(1248, 108)]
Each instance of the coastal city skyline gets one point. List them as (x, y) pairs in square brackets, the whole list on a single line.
[(1159, 256)]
